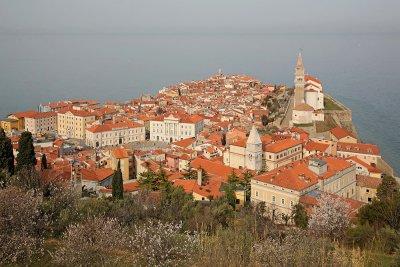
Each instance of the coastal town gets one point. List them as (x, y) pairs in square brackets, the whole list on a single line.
[(289, 144)]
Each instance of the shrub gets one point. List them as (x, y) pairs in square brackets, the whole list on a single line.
[(387, 240), (359, 235)]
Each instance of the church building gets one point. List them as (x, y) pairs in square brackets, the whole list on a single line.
[(308, 96), (262, 153)]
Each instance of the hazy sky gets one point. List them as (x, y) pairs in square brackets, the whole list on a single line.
[(250, 16)]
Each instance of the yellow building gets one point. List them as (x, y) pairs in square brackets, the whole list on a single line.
[(20, 118), (339, 134), (72, 123), (9, 124), (366, 188), (121, 155), (282, 188)]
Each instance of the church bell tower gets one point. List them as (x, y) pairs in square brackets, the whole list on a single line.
[(254, 150), (299, 82)]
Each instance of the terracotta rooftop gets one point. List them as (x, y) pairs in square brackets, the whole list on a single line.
[(297, 176), (96, 174), (358, 148), (110, 127), (120, 153), (282, 145), (185, 142), (340, 132), (368, 181)]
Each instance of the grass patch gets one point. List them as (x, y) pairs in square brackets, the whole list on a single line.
[(330, 105), (324, 126), (379, 259)]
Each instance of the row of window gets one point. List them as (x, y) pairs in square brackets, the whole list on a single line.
[(287, 153), (119, 133), (283, 200)]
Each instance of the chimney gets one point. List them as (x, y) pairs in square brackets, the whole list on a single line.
[(199, 177), (113, 119)]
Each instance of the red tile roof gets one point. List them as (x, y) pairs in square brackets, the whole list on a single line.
[(316, 146), (297, 176), (340, 132), (120, 153), (96, 174), (368, 181), (282, 145), (311, 78), (369, 149), (185, 142), (214, 168), (24, 114), (78, 113), (42, 115), (110, 127), (364, 164)]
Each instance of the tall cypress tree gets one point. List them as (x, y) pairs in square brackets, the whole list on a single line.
[(118, 184), (6, 153), (26, 152), (44, 162)]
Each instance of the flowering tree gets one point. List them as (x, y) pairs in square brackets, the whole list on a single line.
[(330, 217), (95, 242), (21, 226), (163, 244)]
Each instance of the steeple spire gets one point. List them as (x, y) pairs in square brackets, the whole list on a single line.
[(254, 137), (299, 59)]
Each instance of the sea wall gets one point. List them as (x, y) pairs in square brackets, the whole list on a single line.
[(336, 118)]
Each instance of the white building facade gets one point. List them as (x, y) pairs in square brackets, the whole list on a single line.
[(175, 127)]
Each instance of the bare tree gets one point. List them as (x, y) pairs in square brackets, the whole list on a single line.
[(330, 217), (21, 226)]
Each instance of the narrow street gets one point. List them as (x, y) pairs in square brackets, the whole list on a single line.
[(288, 117)]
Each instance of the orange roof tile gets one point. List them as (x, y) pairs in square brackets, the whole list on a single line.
[(282, 145), (297, 176), (24, 114), (185, 142), (367, 181), (340, 132), (316, 146), (120, 153), (110, 127), (369, 149), (96, 174)]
